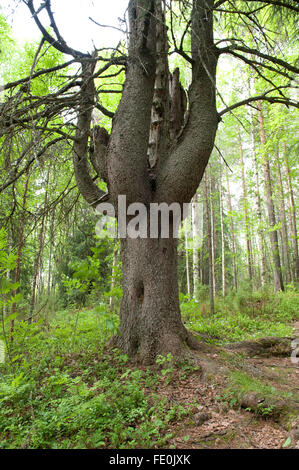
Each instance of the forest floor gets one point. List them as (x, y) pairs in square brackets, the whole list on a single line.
[(63, 387), (220, 419), (225, 415), (216, 425)]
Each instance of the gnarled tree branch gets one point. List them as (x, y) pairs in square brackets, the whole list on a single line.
[(58, 43), (127, 152), (87, 187), (188, 160)]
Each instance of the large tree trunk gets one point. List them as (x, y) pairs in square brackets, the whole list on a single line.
[(150, 320), (155, 154)]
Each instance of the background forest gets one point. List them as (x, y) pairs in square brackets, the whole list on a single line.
[(61, 386)]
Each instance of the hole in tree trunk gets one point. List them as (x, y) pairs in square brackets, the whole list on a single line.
[(140, 291)]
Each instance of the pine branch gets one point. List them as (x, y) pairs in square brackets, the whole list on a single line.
[(263, 97), (274, 60)]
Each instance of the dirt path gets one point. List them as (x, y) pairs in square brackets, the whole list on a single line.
[(215, 423)]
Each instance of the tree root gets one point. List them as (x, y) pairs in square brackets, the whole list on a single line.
[(264, 347)]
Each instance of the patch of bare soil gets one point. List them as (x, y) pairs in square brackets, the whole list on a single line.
[(212, 424)]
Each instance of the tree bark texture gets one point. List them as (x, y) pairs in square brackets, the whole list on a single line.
[(156, 153)]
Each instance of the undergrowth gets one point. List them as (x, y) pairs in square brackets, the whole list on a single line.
[(61, 390), (60, 387), (243, 316), (241, 384)]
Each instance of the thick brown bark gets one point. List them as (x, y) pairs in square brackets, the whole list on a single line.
[(180, 175), (153, 155), (86, 185), (159, 140), (150, 320)]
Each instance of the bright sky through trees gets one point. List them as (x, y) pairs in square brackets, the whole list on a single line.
[(72, 17)]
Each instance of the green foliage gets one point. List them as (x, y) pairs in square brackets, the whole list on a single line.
[(7, 263), (244, 315), (6, 42), (166, 364), (62, 391), (241, 384), (85, 269)]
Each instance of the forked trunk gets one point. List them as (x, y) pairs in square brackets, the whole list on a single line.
[(156, 153), (150, 320)]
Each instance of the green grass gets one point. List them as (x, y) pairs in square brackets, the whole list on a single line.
[(241, 384), (244, 316), (62, 391), (60, 388)]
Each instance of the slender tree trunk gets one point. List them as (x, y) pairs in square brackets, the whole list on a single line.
[(293, 213), (258, 205), (52, 224), (38, 254), (111, 299), (20, 247), (213, 231), (284, 231), (246, 217), (278, 282), (187, 262), (9, 274), (209, 237), (196, 234), (222, 235), (232, 229)]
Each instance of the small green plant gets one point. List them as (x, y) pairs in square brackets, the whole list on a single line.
[(187, 368), (243, 315), (168, 371), (240, 385), (64, 392)]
